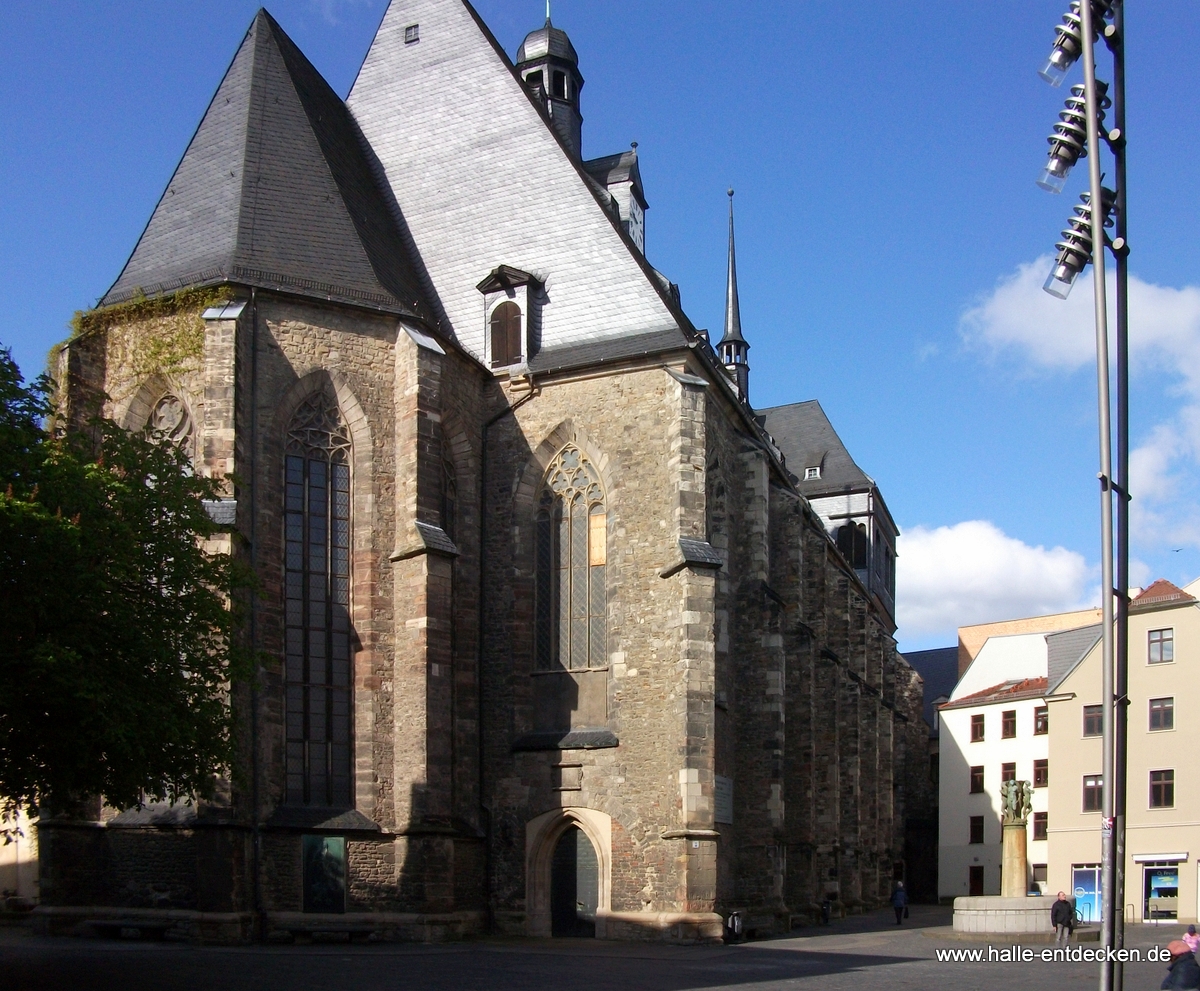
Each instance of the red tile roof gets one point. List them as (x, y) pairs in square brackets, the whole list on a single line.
[(1160, 593), (1008, 691)]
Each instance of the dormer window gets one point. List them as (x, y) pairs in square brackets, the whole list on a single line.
[(506, 335), (812, 473), (511, 317)]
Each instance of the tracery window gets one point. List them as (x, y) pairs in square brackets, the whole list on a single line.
[(170, 418), (571, 598), (317, 603)]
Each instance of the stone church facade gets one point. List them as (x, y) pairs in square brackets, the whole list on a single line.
[(553, 639)]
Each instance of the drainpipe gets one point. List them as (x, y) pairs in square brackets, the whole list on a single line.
[(259, 929), (484, 814)]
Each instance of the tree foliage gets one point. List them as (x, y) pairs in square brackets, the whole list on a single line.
[(119, 630)]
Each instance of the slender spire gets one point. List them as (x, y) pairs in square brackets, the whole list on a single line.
[(547, 11), (733, 313), (733, 346)]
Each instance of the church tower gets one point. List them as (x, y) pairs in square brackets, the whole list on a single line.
[(549, 66), (733, 346)]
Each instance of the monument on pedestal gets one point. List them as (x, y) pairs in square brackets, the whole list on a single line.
[(1016, 802), (1011, 912)]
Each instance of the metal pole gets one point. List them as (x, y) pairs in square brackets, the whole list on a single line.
[(1108, 873), (1121, 677)]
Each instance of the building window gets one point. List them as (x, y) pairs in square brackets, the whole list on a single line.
[(1040, 872), (812, 473), (560, 85), (1040, 823), (852, 542), (1041, 720), (976, 829), (1162, 789), (975, 875), (506, 335), (1041, 773), (977, 728), (317, 606), (1008, 724), (977, 780), (571, 596), (412, 34), (1162, 714), (1093, 720), (1162, 646), (1008, 772), (1093, 791)]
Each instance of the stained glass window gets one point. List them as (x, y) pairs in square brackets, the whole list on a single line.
[(571, 598), (317, 604)]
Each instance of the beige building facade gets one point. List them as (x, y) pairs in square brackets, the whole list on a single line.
[(1163, 804)]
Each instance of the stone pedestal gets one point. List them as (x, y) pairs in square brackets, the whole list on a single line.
[(998, 914), (1014, 876)]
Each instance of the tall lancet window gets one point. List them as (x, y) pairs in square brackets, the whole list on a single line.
[(317, 579), (572, 532)]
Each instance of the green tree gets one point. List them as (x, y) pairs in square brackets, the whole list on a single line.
[(118, 631)]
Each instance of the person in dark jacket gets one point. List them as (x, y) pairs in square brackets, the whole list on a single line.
[(1183, 972), (1062, 918), (900, 902)]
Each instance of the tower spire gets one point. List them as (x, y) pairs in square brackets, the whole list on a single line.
[(733, 346)]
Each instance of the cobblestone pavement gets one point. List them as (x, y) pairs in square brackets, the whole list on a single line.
[(868, 951)]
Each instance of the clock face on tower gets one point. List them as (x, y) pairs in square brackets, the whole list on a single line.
[(637, 229)]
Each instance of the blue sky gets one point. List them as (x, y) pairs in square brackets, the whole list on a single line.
[(890, 235)]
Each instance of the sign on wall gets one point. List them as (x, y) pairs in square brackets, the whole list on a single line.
[(723, 799)]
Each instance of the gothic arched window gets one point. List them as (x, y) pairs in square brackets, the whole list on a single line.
[(317, 602), (171, 419), (571, 599)]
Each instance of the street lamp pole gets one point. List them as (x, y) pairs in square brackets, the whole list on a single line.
[(1085, 241)]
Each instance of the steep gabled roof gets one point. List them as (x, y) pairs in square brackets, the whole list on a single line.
[(276, 190), (938, 669), (483, 180), (808, 440), (1159, 594)]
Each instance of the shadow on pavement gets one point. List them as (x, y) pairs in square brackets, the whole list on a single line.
[(34, 964)]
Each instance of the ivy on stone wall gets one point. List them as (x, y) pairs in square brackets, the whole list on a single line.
[(173, 341)]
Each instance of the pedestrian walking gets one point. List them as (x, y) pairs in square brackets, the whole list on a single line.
[(900, 902), (1062, 918), (1192, 939), (1183, 972)]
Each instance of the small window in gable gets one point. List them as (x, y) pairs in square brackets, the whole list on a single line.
[(811, 473), (506, 335)]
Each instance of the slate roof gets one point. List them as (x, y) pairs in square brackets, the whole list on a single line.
[(622, 167), (1158, 594), (610, 349), (807, 439), (547, 39), (1067, 648), (276, 190), (1008, 691), (938, 669)]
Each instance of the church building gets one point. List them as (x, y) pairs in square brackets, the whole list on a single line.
[(558, 634)]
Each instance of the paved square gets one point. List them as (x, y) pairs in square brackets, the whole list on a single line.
[(861, 952)]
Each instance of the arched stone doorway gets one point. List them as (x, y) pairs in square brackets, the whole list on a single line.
[(568, 867), (574, 885)]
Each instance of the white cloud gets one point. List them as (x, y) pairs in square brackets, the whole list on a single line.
[(331, 10), (973, 572), (1164, 338)]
